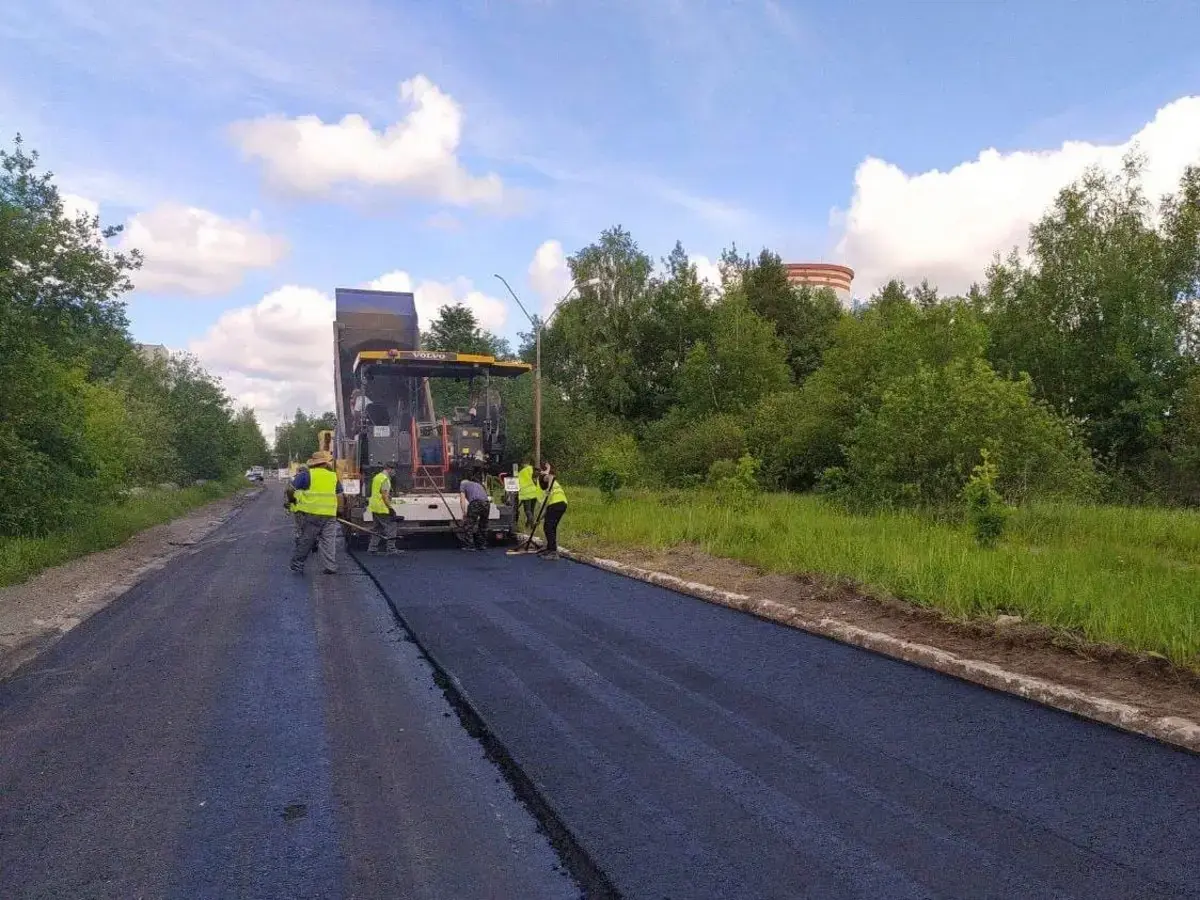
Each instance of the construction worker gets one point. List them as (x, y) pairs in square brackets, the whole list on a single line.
[(316, 494), (476, 506), (529, 494), (556, 508), (382, 514)]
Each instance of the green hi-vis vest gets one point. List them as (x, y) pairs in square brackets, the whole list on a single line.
[(377, 504), (557, 494), (529, 488), (320, 499)]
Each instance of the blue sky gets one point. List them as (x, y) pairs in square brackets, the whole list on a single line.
[(708, 121)]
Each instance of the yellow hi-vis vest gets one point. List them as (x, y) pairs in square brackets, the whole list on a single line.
[(376, 503), (320, 499), (557, 494), (529, 488)]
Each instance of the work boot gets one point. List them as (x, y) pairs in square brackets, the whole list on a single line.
[(549, 554)]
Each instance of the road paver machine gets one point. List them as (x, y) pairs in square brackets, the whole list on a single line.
[(386, 413)]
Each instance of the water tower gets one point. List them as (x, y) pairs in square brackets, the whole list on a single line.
[(829, 275)]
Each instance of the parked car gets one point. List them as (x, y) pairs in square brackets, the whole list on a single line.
[(255, 473)]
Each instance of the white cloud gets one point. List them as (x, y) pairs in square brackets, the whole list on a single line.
[(549, 274), (707, 270), (416, 156), (74, 204), (274, 356), (195, 251), (946, 226), (431, 296)]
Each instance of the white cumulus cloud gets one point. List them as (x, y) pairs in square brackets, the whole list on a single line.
[(549, 275), (74, 204), (431, 296), (416, 156), (195, 251), (946, 226), (707, 271), (274, 356)]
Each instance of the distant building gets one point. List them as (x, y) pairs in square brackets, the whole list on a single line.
[(152, 352), (829, 275)]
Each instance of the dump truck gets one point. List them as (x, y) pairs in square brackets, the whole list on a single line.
[(386, 413)]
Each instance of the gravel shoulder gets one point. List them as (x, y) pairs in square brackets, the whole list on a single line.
[(35, 614), (1152, 684)]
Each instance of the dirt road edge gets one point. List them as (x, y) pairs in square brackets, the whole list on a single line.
[(1174, 730)]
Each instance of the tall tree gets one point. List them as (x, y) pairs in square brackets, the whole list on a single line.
[(743, 362), (1098, 316), (251, 445), (803, 316), (457, 328), (297, 440), (678, 314), (60, 282), (590, 350)]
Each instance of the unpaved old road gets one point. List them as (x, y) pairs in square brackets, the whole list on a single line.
[(227, 730)]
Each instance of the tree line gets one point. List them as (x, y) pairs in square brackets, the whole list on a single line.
[(84, 416), (1073, 367)]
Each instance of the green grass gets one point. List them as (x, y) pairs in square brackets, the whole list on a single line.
[(1124, 576), (104, 527)]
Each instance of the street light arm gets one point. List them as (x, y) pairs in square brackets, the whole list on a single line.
[(567, 296), (518, 299)]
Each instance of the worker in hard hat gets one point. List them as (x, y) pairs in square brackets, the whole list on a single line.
[(316, 494), (529, 493), (382, 514), (556, 508)]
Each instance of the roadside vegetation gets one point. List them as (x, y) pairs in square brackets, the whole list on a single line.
[(1128, 577), (106, 526), (84, 416)]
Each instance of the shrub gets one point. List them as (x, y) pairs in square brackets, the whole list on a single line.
[(987, 513), (614, 463), (609, 482), (692, 448), (735, 482), (920, 445)]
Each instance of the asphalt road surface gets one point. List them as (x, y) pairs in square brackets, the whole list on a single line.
[(697, 752), (229, 730)]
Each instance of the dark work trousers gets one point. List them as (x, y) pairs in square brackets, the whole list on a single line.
[(554, 514), (475, 523), (383, 530), (530, 507), (321, 531)]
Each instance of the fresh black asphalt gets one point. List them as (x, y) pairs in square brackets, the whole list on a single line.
[(697, 752), (229, 730)]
